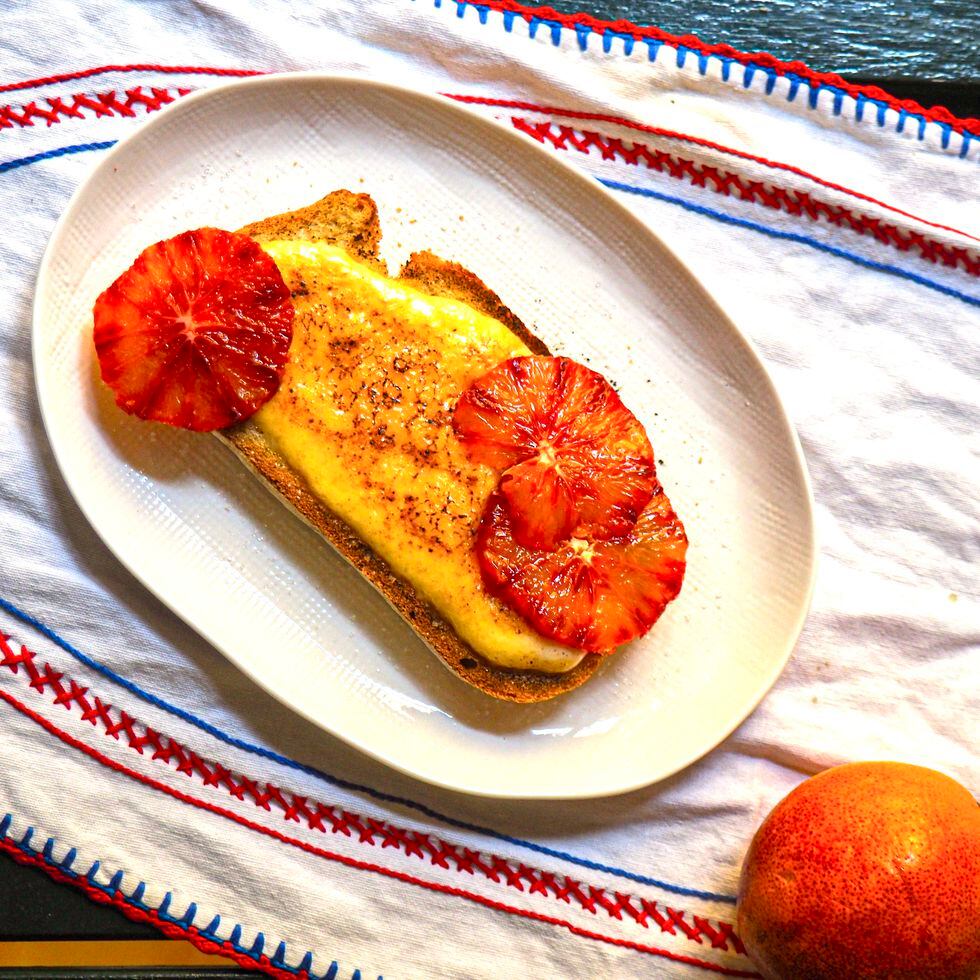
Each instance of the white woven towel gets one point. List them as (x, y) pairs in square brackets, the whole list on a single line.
[(137, 762)]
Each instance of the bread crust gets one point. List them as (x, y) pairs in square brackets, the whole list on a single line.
[(350, 221)]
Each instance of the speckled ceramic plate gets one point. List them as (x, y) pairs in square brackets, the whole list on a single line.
[(199, 531)]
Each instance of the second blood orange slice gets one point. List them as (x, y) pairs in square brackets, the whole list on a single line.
[(575, 460)]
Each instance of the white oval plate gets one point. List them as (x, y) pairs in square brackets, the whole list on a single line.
[(201, 533)]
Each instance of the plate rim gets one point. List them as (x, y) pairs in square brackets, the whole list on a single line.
[(765, 685)]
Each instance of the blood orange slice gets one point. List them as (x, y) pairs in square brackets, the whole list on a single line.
[(590, 594), (576, 461), (196, 332)]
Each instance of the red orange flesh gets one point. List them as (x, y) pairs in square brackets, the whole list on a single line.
[(575, 461), (592, 595), (196, 332)]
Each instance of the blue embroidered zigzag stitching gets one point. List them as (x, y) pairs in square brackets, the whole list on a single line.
[(583, 32), (278, 959)]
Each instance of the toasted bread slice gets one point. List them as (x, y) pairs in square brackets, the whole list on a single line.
[(350, 221)]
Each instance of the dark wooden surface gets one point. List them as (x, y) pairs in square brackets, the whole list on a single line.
[(149, 973), (927, 50), (924, 39)]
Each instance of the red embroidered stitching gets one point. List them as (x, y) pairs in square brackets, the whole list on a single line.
[(935, 114), (335, 820), (353, 862), (759, 58), (793, 202), (109, 104), (105, 69), (102, 104), (696, 141)]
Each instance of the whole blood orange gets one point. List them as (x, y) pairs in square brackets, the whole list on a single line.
[(867, 871)]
